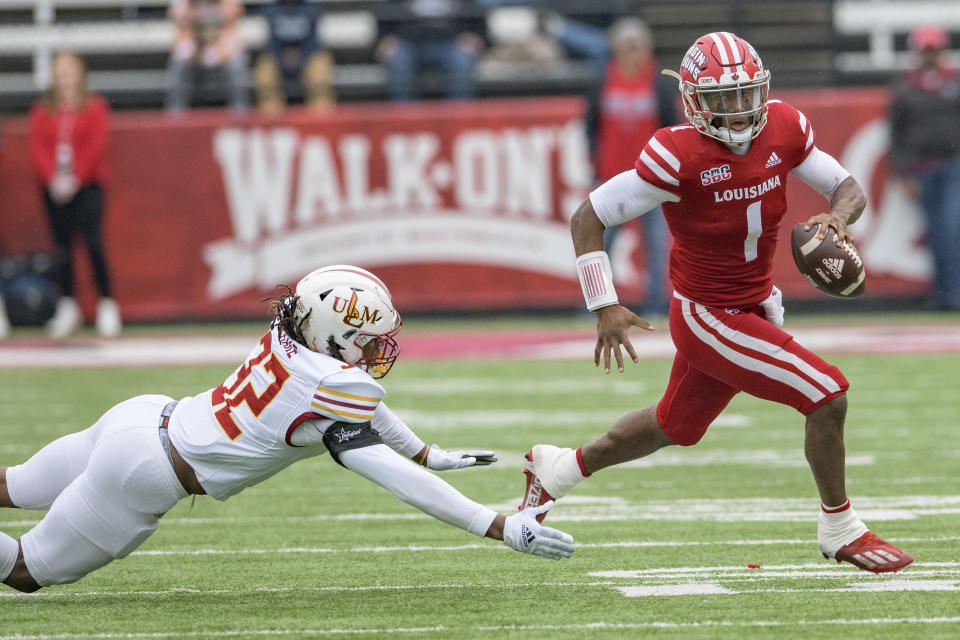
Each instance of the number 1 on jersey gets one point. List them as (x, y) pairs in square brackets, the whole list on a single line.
[(754, 229)]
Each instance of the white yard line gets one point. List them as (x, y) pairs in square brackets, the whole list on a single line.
[(588, 626)]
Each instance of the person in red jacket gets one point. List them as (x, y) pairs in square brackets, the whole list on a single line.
[(68, 142)]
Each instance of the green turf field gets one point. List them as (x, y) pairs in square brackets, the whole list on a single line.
[(663, 546)]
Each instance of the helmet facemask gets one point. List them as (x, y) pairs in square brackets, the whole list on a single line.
[(379, 351), (733, 113)]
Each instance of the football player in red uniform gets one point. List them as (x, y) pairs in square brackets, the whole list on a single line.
[(721, 181)]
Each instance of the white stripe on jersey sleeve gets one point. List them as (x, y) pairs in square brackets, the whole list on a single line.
[(626, 196), (809, 140), (664, 153), (657, 170), (348, 396), (803, 120)]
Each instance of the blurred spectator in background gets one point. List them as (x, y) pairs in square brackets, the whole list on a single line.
[(630, 101), (207, 49), (68, 141), (925, 153), (518, 45), (432, 35), (293, 60)]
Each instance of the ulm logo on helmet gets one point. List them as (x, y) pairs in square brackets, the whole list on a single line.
[(353, 317)]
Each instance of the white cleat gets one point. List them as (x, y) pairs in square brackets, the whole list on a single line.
[(108, 318), (66, 319)]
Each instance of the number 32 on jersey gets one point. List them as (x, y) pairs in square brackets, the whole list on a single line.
[(230, 396)]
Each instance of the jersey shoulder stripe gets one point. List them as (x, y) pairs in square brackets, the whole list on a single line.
[(348, 396), (659, 163), (794, 125)]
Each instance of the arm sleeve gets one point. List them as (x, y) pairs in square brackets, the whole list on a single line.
[(822, 172), (418, 487), (626, 196), (91, 153), (395, 433)]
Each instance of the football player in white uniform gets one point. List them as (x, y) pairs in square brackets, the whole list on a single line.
[(308, 387)]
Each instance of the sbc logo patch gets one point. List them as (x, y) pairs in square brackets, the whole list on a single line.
[(715, 175)]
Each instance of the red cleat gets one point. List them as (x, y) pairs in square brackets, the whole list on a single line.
[(870, 553), (535, 495)]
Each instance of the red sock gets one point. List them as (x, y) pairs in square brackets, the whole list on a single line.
[(843, 507), (583, 470)]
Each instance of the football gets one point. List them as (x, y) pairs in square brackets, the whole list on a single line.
[(834, 270)]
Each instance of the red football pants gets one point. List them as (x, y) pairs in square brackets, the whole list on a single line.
[(721, 352)]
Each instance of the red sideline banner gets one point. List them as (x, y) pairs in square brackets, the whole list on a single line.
[(456, 206)]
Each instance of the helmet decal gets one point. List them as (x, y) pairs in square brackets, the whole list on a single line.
[(353, 317)]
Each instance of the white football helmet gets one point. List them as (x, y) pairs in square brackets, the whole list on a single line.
[(347, 312)]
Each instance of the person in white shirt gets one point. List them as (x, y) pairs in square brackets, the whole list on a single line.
[(308, 387)]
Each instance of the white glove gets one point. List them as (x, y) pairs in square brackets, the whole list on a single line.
[(773, 308), (441, 460), (522, 532)]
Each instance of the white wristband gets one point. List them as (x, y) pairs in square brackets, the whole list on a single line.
[(596, 280)]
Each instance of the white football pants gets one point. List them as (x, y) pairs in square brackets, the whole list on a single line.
[(106, 488)]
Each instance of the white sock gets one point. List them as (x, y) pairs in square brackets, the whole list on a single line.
[(567, 472), (838, 527), (9, 550)]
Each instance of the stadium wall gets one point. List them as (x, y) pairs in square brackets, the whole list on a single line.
[(458, 206)]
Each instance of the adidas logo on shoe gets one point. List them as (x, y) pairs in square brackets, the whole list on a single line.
[(773, 160)]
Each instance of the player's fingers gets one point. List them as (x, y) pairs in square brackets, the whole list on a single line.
[(606, 358), (619, 357), (596, 353), (466, 461), (630, 350), (637, 321), (550, 548), (555, 534)]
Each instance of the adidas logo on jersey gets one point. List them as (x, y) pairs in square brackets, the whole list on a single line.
[(773, 160), (834, 265)]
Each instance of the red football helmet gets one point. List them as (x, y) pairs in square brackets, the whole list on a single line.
[(724, 88)]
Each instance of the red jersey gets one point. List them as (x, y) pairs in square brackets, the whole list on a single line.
[(726, 223), (71, 140), (629, 115)]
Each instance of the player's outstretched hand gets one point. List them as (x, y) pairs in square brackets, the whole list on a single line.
[(441, 460), (522, 532), (613, 324)]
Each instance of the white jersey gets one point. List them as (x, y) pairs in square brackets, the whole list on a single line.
[(270, 413)]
